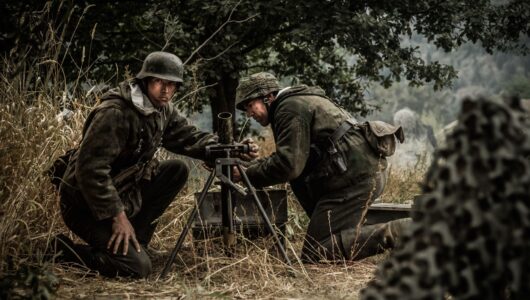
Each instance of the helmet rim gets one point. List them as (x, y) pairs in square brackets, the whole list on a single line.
[(255, 86), (163, 65)]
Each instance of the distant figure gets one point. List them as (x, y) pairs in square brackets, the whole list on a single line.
[(441, 135), (420, 142)]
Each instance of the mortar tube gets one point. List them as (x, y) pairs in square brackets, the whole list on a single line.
[(227, 206)]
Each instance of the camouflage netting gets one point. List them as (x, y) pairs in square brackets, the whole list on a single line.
[(470, 236)]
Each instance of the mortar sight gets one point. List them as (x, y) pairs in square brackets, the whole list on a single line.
[(226, 151), (226, 147)]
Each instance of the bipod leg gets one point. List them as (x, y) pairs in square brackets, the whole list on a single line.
[(227, 208), (264, 215), (187, 227)]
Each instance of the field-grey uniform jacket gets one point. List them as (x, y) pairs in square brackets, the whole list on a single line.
[(302, 119), (121, 132)]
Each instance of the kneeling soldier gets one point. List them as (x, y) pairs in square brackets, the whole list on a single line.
[(114, 190), (334, 165)]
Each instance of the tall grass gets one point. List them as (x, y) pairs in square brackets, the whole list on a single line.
[(32, 136), (33, 92), (404, 184)]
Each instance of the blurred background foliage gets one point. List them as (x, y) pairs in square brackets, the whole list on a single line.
[(479, 73)]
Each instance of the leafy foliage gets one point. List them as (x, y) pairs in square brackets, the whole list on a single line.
[(303, 41)]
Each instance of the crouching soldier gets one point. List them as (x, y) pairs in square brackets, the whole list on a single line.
[(334, 165), (113, 190)]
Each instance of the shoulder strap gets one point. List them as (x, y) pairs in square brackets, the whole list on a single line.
[(282, 97), (341, 130)]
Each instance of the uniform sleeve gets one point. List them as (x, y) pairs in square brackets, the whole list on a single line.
[(182, 138), (103, 141), (292, 151)]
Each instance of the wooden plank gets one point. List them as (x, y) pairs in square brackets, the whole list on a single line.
[(383, 212)]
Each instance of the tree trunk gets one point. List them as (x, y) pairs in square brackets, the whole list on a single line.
[(224, 99)]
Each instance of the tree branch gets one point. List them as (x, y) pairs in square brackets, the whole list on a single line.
[(195, 91), (228, 21)]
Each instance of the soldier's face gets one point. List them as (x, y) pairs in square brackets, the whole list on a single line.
[(257, 110), (160, 91)]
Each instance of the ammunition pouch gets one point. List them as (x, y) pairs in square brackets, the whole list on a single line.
[(338, 165), (134, 174), (382, 136), (325, 159), (127, 183), (336, 158), (127, 178)]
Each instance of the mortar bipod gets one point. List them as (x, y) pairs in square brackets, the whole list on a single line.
[(222, 170)]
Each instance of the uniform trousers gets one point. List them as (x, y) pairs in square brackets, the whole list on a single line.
[(157, 194), (336, 229)]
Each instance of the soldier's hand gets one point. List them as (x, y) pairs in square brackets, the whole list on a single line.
[(236, 176), (254, 149), (122, 231)]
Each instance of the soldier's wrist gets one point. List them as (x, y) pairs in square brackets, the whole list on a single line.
[(119, 216)]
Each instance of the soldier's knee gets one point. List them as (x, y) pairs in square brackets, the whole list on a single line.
[(374, 239), (181, 170), (141, 265), (134, 264)]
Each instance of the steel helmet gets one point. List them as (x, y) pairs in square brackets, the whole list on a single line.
[(162, 65), (255, 86)]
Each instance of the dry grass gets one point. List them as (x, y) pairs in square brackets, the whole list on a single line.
[(234, 281), (404, 184), (32, 137)]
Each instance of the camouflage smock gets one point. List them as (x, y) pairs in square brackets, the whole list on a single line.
[(303, 116), (120, 132)]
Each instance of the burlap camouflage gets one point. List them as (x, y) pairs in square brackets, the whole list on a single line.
[(470, 234)]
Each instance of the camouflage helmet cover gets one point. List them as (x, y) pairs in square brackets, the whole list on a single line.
[(255, 86), (162, 65)]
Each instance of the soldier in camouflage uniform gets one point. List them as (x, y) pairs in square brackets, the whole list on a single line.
[(332, 169), (113, 190)]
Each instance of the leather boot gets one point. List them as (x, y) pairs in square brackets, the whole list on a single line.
[(394, 230)]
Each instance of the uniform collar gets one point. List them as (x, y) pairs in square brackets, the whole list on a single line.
[(282, 90), (141, 101)]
